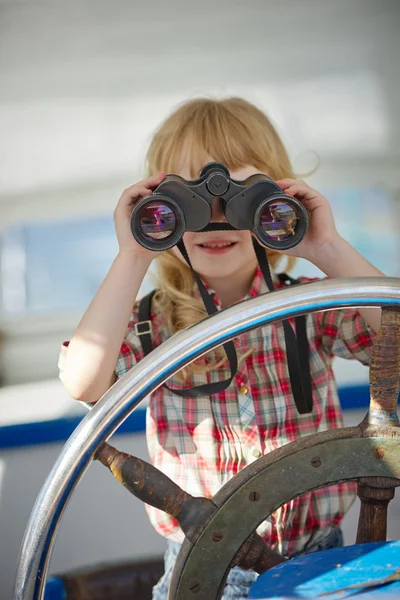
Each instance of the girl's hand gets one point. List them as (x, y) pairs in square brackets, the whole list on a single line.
[(123, 211), (321, 229)]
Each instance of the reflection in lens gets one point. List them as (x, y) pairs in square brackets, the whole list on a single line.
[(157, 221), (278, 220)]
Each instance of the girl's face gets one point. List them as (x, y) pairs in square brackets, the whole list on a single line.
[(220, 254)]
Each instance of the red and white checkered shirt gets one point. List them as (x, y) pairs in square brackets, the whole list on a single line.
[(201, 443)]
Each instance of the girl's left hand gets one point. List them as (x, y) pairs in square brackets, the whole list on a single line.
[(321, 228)]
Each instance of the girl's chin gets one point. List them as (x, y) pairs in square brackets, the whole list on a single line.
[(216, 269)]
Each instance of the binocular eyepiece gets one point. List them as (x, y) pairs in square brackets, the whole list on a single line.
[(256, 204)]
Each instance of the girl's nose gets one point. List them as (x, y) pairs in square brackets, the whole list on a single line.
[(217, 214)]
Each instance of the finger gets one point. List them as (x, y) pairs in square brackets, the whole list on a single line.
[(140, 193), (148, 184), (303, 191), (284, 183), (155, 179), (134, 192), (299, 190), (130, 198)]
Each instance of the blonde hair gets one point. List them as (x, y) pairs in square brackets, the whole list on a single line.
[(235, 133)]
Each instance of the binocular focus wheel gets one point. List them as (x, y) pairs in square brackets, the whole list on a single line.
[(209, 167), (217, 184)]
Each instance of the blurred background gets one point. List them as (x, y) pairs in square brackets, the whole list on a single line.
[(82, 88)]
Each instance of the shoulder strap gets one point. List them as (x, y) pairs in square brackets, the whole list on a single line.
[(300, 377), (143, 328), (303, 347)]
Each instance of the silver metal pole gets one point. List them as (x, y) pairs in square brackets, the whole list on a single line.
[(121, 400)]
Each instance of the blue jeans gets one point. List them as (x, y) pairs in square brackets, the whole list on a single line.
[(239, 582)]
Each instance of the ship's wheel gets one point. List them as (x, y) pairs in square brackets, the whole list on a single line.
[(220, 532)]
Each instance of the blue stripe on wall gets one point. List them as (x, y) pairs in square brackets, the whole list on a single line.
[(354, 396), (59, 430)]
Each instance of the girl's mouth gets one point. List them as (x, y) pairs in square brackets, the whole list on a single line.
[(217, 247)]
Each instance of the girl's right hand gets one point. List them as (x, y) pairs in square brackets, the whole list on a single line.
[(123, 211)]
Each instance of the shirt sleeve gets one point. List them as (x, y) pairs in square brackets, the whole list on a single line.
[(130, 353), (344, 333)]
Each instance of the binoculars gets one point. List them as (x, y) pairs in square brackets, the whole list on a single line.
[(256, 204)]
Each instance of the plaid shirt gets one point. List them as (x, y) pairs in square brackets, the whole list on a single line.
[(201, 443)]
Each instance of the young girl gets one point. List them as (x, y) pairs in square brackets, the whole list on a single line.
[(200, 443)]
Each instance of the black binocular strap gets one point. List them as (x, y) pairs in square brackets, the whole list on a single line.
[(298, 362), (297, 348), (145, 338)]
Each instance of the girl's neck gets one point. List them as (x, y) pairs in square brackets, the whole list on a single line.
[(233, 288)]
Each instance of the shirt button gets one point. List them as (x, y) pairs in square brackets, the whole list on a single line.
[(256, 453), (244, 390)]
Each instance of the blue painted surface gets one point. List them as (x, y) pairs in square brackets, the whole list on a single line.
[(330, 570), (353, 397), (54, 589), (59, 430)]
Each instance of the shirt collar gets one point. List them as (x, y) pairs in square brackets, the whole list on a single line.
[(258, 286)]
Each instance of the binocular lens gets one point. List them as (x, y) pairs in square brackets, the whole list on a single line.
[(278, 220), (157, 221)]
